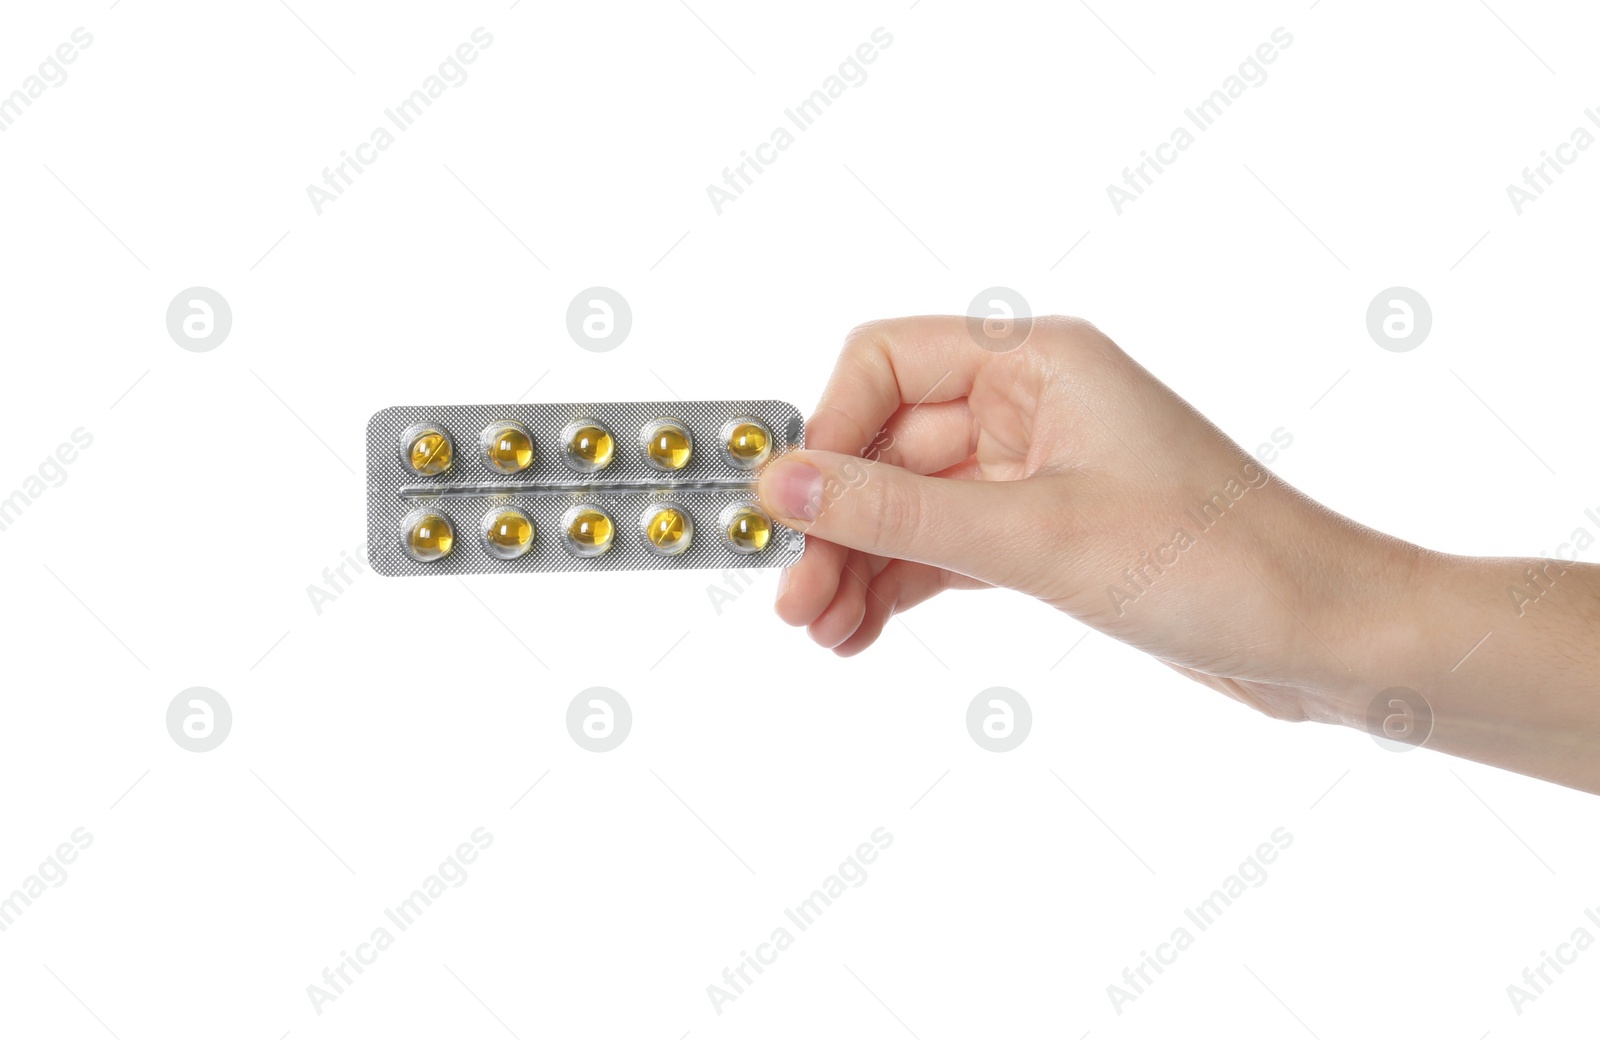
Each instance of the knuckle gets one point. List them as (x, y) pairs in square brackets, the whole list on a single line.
[(866, 342), (833, 415), (867, 334), (1070, 324), (1076, 332)]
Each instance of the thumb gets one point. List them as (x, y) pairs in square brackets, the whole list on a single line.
[(980, 528)]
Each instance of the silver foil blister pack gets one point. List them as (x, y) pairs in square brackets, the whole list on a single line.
[(473, 489)]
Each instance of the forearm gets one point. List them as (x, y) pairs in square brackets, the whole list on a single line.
[(1505, 653)]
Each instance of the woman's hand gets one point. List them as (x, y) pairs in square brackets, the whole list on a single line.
[(1066, 471)]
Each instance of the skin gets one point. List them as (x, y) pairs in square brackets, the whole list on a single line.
[(1096, 475)]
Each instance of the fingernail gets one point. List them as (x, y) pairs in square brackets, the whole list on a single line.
[(783, 583), (796, 489)]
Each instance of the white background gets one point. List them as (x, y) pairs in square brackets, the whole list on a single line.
[(372, 738)]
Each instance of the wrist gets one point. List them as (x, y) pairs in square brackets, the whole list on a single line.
[(1401, 617)]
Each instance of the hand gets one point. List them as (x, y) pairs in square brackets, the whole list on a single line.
[(1066, 471)]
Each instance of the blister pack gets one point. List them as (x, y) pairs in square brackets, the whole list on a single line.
[(467, 489)]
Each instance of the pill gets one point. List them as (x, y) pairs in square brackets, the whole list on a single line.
[(429, 535), (588, 530), (428, 450), (507, 533), (589, 445), (508, 447), (746, 442), (666, 445), (667, 530), (746, 528)]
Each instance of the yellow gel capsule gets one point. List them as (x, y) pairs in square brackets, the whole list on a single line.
[(588, 531), (668, 530), (430, 453), (747, 529), (507, 534), (748, 443), (508, 447), (589, 446), (429, 536), (666, 445)]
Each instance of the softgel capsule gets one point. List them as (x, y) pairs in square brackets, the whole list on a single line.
[(463, 489)]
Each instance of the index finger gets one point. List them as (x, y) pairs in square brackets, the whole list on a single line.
[(886, 364)]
